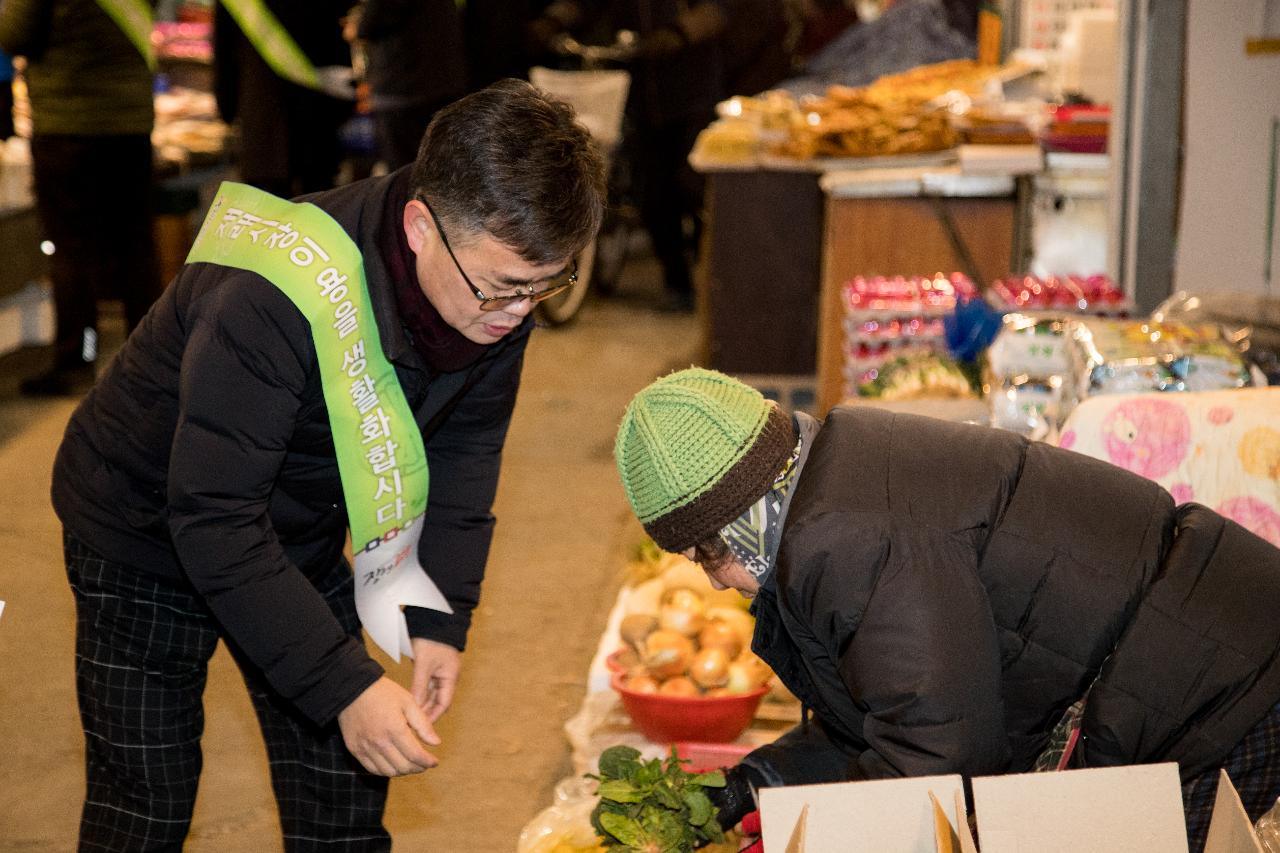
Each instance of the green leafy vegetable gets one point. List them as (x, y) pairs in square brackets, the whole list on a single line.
[(654, 806)]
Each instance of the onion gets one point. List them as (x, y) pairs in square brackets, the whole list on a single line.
[(667, 653), (710, 668), (739, 620), (641, 683), (678, 686), (747, 673), (636, 627), (627, 659), (683, 612), (719, 634)]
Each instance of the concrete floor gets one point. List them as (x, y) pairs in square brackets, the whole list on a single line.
[(563, 535)]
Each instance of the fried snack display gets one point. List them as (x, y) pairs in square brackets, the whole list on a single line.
[(852, 125), (894, 115)]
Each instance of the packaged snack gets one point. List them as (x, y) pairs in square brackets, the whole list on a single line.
[(1122, 356), (915, 376), (1031, 345), (1026, 367), (1093, 294), (1031, 407), (890, 318)]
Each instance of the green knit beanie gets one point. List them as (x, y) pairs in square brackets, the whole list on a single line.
[(695, 449)]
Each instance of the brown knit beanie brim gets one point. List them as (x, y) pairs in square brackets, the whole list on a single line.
[(740, 487)]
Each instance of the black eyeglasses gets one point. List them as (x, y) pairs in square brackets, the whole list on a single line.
[(497, 303)]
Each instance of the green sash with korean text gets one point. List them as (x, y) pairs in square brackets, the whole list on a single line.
[(381, 459), (133, 17), (273, 42)]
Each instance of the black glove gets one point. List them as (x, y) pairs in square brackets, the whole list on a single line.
[(735, 800)]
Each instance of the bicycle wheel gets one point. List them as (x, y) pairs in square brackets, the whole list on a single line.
[(559, 310)]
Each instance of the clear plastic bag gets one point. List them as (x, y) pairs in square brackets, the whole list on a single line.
[(1251, 321), (564, 826), (1268, 829)]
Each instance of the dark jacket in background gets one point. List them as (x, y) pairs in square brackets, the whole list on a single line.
[(204, 453), (668, 88), (497, 39), (288, 133), (416, 53), (754, 45), (84, 76), (944, 592)]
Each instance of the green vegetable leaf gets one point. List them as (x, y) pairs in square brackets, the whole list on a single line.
[(626, 830), (621, 791), (700, 808), (655, 805), (714, 779), (649, 773), (617, 762), (667, 796), (669, 830)]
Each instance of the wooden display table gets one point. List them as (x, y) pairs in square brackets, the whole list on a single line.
[(782, 236), (907, 222)]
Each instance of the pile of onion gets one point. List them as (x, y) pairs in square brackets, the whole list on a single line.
[(689, 649)]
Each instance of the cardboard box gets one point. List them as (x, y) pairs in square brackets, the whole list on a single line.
[(1106, 810), (890, 816)]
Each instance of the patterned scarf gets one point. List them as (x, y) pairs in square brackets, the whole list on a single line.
[(754, 536)]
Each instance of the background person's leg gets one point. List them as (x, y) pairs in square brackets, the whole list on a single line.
[(65, 179), (126, 240)]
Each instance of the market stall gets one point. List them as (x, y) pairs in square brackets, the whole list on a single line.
[(673, 669), (782, 173)]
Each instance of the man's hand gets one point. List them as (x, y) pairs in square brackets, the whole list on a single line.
[(436, 668), (385, 730)]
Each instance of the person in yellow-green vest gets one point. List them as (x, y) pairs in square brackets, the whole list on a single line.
[(90, 83), (347, 362)]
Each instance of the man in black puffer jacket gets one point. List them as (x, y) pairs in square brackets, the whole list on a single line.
[(938, 594), (198, 482)]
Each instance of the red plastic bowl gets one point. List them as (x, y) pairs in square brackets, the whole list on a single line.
[(703, 757), (706, 719)]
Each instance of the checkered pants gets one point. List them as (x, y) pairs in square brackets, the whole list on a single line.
[(1254, 768), (142, 651)]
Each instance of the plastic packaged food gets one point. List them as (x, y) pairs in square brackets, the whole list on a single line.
[(1117, 356), (1250, 321), (1093, 294), (920, 375), (1027, 365), (1268, 829), (890, 318), (1031, 407), (1030, 345)]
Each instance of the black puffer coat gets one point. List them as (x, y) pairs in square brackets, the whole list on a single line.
[(204, 453), (944, 592)]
